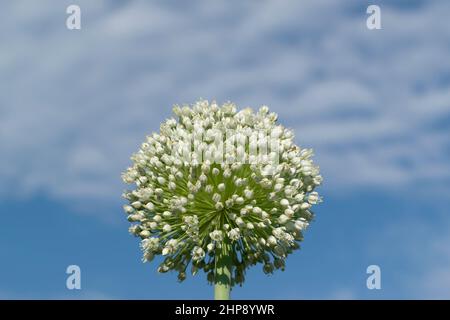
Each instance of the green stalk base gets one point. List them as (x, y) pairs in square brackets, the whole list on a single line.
[(222, 272)]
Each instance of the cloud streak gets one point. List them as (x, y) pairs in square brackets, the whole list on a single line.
[(76, 104)]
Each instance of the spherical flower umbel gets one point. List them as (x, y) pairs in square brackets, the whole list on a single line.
[(220, 190)]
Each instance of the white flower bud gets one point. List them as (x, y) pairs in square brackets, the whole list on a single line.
[(271, 240), (299, 197), (305, 205), (135, 217), (227, 173), (210, 247), (301, 224), (283, 219), (234, 234), (134, 229), (216, 197), (205, 167), (248, 194), (167, 228), (289, 212), (148, 256), (279, 251), (229, 203), (257, 210), (161, 180), (198, 254), (232, 216), (288, 191), (144, 233), (278, 187), (136, 204), (216, 235), (240, 222), (143, 180), (313, 198)]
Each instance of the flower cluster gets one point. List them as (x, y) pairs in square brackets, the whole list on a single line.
[(187, 206)]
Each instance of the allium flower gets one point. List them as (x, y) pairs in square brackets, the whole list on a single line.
[(219, 190)]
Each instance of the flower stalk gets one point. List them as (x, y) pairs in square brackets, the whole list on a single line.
[(222, 273)]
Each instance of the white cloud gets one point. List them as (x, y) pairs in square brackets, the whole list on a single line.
[(74, 105)]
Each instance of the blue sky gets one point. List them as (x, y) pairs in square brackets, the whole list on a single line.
[(374, 105)]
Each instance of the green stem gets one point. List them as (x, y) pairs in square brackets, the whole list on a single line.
[(222, 272)]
